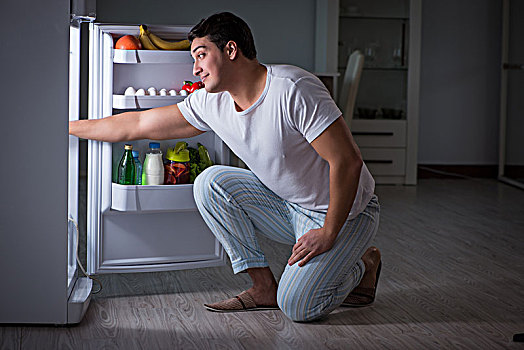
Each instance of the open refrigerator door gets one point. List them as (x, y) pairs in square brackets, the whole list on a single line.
[(79, 288), (137, 228)]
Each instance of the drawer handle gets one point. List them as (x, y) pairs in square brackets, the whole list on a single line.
[(376, 161), (374, 133)]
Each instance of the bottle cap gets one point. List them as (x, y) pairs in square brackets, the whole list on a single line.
[(154, 145), (128, 147), (181, 156), (135, 154)]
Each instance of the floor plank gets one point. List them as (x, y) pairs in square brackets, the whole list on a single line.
[(9, 337)]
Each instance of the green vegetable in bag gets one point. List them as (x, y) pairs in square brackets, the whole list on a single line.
[(194, 157), (205, 160), (199, 160), (193, 172)]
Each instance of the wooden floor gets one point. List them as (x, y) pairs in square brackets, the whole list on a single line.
[(452, 277)]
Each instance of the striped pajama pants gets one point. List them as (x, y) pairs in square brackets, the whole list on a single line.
[(236, 205)]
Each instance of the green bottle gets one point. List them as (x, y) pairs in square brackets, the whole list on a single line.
[(126, 168)]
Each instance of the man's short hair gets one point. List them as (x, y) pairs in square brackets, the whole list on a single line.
[(223, 27)]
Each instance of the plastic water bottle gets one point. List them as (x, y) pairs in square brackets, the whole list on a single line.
[(126, 167), (138, 168), (153, 169)]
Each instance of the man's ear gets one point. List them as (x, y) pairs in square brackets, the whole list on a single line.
[(231, 49)]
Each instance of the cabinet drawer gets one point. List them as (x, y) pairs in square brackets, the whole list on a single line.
[(384, 161), (379, 133)]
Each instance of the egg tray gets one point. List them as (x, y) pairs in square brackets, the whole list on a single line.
[(141, 102)]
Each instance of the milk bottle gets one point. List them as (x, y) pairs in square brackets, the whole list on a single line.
[(153, 168)]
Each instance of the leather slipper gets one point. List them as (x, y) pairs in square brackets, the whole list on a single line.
[(242, 302), (361, 296)]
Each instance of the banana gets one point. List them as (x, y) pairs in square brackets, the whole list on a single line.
[(145, 40), (168, 45)]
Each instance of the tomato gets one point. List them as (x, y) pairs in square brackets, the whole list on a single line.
[(196, 85), (187, 86), (192, 87)]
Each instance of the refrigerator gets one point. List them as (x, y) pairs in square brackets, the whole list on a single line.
[(130, 228), (39, 202)]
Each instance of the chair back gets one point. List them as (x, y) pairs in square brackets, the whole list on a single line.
[(348, 94)]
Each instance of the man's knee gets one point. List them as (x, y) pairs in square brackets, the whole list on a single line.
[(202, 189), (298, 306)]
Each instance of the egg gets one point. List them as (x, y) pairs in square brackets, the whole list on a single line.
[(152, 91), (140, 92), (183, 92), (130, 91), (172, 92), (163, 92)]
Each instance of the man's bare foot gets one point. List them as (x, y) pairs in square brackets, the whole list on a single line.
[(264, 297), (371, 259), (264, 290), (364, 293)]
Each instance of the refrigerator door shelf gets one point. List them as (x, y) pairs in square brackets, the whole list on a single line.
[(132, 102), (152, 198), (152, 56)]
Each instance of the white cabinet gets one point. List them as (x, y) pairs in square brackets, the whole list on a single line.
[(385, 120), (133, 228)]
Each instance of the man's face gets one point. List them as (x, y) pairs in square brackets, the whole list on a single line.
[(209, 64)]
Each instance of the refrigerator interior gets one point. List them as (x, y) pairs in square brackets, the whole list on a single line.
[(136, 228)]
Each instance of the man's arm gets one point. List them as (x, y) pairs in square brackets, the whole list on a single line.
[(337, 147), (161, 123)]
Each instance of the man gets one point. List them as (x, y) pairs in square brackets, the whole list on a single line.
[(307, 184)]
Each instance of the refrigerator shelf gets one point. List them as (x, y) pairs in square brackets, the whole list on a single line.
[(152, 56), (152, 198), (132, 102)]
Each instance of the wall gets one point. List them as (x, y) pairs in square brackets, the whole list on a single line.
[(460, 80)]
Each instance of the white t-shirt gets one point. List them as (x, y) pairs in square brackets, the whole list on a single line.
[(273, 136)]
